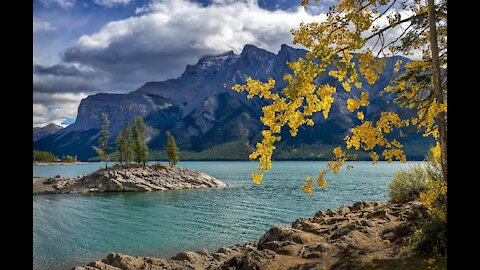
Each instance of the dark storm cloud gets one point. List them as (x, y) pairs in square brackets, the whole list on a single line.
[(156, 45), (61, 70)]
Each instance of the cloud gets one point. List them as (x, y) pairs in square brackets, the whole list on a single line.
[(391, 36), (62, 70), (61, 78), (157, 44), (40, 25), (63, 3), (111, 3), (55, 108)]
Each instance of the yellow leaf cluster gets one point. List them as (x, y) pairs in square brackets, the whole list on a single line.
[(433, 196), (321, 180), (353, 104), (367, 136), (374, 157), (332, 46), (436, 153), (257, 177), (307, 187)]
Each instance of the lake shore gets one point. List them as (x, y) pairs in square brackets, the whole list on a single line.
[(365, 235), (118, 179), (39, 163)]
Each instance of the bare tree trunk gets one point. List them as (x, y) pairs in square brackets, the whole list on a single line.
[(437, 86)]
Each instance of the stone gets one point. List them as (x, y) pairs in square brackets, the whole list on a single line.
[(189, 256), (123, 261), (203, 251), (282, 233), (343, 210), (275, 245), (299, 247), (132, 180)]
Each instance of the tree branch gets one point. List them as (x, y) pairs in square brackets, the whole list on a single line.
[(395, 24)]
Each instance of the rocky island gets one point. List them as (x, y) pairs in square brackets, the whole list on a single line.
[(150, 178), (365, 235)]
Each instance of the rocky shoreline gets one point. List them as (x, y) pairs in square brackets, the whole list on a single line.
[(150, 178), (365, 235)]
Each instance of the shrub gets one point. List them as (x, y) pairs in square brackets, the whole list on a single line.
[(408, 184), (159, 166), (431, 238), (424, 182)]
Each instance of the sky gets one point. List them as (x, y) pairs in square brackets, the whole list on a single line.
[(83, 47)]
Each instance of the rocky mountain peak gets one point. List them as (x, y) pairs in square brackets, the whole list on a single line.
[(40, 132)]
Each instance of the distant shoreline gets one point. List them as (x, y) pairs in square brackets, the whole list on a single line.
[(37, 163)]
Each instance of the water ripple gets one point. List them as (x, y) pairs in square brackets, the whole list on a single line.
[(74, 229)]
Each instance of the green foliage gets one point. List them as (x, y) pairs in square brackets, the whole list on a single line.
[(407, 184), (159, 167), (120, 151), (236, 150), (431, 239), (424, 182), (139, 139), (104, 148), (43, 156), (172, 150), (127, 146), (69, 159)]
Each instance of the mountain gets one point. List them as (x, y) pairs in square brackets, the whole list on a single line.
[(41, 132), (201, 110)]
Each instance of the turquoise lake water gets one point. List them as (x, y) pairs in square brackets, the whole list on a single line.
[(72, 229)]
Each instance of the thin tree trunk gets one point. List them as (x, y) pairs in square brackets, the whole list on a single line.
[(437, 86)]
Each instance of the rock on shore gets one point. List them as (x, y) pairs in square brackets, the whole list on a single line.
[(366, 235), (132, 179)]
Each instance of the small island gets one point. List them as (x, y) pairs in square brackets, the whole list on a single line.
[(127, 179)]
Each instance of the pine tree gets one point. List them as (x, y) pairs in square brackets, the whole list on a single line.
[(139, 139), (127, 143), (172, 150), (104, 148), (135, 140), (142, 138), (120, 153)]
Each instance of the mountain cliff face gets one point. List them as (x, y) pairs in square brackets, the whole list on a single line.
[(41, 132), (200, 111)]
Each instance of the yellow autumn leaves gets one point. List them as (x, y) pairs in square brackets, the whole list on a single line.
[(309, 187), (257, 177), (334, 166), (369, 135), (333, 44)]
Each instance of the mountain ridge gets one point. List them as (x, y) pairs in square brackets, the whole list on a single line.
[(201, 110), (40, 132)]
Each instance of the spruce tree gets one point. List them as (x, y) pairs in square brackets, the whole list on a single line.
[(120, 153), (142, 140), (172, 150), (127, 143), (135, 140), (104, 148)]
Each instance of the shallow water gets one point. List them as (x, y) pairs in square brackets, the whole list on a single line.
[(75, 229)]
